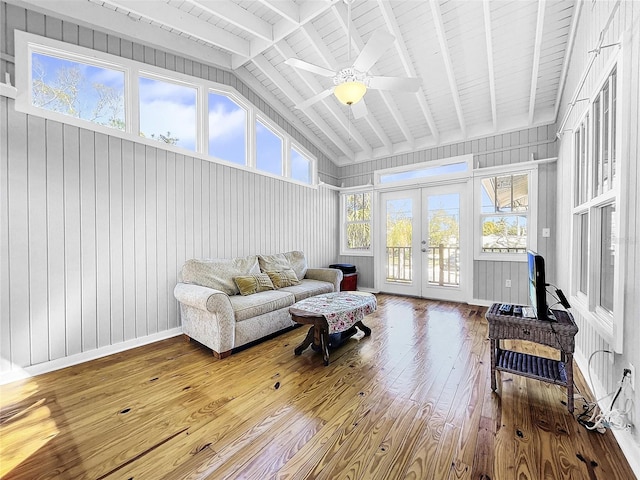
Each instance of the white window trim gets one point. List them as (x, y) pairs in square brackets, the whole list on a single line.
[(432, 180), (529, 168), (609, 326), (25, 43), (344, 250)]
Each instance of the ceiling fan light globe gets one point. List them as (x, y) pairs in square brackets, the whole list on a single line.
[(349, 93)]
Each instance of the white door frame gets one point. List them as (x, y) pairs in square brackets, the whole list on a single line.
[(417, 287)]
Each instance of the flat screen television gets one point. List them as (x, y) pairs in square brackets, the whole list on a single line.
[(537, 285)]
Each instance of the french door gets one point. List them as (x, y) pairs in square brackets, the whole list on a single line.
[(424, 249)]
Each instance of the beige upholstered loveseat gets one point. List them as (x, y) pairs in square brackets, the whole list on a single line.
[(227, 303)]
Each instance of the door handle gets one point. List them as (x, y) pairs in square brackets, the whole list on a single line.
[(424, 249)]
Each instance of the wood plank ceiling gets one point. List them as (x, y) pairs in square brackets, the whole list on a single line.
[(486, 66)]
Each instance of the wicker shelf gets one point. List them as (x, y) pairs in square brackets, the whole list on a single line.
[(532, 366), (559, 334)]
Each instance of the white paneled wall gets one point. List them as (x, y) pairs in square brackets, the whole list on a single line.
[(94, 229), (625, 26), (509, 148)]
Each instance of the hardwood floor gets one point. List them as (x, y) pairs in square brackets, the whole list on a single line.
[(413, 400)]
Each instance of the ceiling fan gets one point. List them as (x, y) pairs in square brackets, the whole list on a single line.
[(352, 82)]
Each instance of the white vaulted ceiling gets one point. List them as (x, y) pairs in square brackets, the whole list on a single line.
[(486, 66)]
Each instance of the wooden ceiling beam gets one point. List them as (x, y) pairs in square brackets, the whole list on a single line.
[(486, 7), (237, 16), (448, 64), (283, 28), (169, 16), (284, 8), (536, 59), (92, 15), (405, 58)]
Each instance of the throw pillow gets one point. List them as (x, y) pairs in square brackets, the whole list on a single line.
[(219, 273), (250, 284), (298, 263), (283, 278), (273, 263)]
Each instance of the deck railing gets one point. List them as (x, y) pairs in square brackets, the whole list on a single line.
[(443, 265)]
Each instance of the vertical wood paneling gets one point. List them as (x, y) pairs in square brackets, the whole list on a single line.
[(94, 229), (128, 241), (151, 240), (72, 256), (38, 275), (88, 240), (172, 266), (103, 247), (55, 241), (161, 239), (115, 240), (18, 229), (5, 311), (140, 243)]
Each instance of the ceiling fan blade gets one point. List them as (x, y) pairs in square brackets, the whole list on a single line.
[(359, 110), (309, 67), (395, 83), (379, 43), (316, 98)]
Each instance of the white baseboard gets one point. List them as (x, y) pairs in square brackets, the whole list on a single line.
[(370, 290), (18, 373), (628, 444), (481, 303)]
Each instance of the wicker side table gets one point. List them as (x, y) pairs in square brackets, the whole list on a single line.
[(559, 335)]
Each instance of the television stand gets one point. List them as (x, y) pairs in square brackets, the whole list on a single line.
[(559, 334)]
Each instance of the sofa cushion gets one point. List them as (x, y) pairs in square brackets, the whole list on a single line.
[(260, 303), (298, 263), (284, 278), (308, 288), (250, 284), (273, 263), (219, 273)]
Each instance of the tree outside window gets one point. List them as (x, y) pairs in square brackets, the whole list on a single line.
[(357, 222), (504, 213)]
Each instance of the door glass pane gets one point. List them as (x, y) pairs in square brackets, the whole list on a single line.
[(443, 259), (399, 240)]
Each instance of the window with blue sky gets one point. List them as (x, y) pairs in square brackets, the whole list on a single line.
[(97, 91), (268, 149), (300, 167), (168, 112), (227, 129), (425, 172), (78, 89)]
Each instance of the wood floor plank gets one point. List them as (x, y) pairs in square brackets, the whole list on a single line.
[(413, 400)]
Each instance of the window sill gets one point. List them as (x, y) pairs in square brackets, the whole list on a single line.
[(603, 327), (355, 253)]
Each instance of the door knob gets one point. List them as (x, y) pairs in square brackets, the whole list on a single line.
[(424, 249)]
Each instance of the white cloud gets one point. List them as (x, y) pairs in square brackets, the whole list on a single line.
[(162, 116), (225, 125)]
